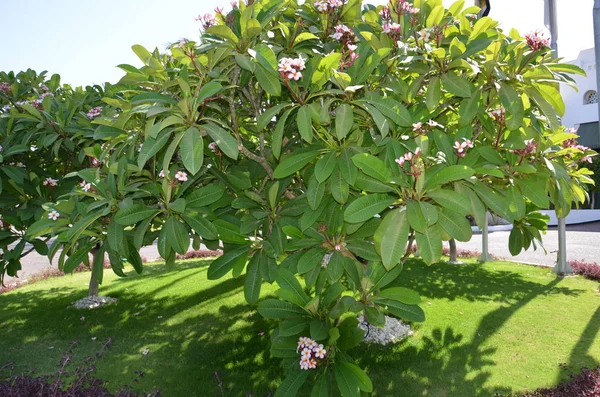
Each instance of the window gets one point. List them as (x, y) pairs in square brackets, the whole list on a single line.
[(590, 97)]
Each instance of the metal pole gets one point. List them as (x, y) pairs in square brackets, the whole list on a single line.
[(552, 25), (485, 256)]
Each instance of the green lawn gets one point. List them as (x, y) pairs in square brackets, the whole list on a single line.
[(493, 328)]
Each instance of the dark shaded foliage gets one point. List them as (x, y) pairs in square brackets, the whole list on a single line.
[(588, 270)]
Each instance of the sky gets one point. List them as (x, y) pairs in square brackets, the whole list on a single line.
[(84, 40)]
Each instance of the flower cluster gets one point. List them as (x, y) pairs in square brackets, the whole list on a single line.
[(50, 182), (462, 147), (311, 351), (422, 129), (289, 68), (54, 215), (408, 157), (207, 20), (5, 88), (181, 176), (85, 186), (328, 6), (537, 40), (94, 112), (343, 34), (392, 29), (402, 7)]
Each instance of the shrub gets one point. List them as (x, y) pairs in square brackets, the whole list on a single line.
[(585, 384), (586, 269)]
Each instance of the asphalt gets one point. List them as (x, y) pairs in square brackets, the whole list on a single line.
[(583, 243)]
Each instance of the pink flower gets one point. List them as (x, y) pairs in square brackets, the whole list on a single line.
[(417, 126), (304, 363), (50, 182), (5, 88), (400, 161), (537, 40), (352, 47), (338, 247), (161, 174), (181, 176), (94, 112), (306, 353), (289, 68), (295, 76), (312, 364), (320, 352)]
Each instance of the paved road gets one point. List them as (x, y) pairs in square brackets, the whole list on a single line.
[(583, 243)]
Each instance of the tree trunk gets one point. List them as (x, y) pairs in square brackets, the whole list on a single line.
[(93, 289), (452, 244)]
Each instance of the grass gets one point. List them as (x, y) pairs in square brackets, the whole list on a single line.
[(491, 329)]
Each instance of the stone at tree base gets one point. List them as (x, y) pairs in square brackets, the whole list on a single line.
[(93, 302), (393, 332)]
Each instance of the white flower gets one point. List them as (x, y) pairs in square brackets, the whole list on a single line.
[(432, 123), (54, 215), (50, 182), (161, 174), (417, 126), (304, 363), (306, 353), (424, 35), (181, 176), (400, 161), (85, 186), (320, 352)]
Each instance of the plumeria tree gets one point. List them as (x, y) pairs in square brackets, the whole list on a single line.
[(43, 129), (315, 143)]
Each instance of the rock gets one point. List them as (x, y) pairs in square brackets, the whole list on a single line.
[(393, 332), (92, 302)]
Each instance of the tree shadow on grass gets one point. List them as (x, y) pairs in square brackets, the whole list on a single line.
[(199, 344), (444, 363)]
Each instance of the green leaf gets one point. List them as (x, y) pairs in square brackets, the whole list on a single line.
[(304, 122), (267, 116), (516, 202), (177, 235), (319, 330), (325, 69), (293, 326), (393, 110), (372, 167), (209, 90), (192, 150), (511, 100), (245, 62), (401, 294), (324, 166), (391, 236), (292, 383), (293, 163), (534, 188), (365, 207), (152, 146), (452, 200), (455, 224), (253, 282), (416, 218), (223, 139), (406, 312), (204, 196), (202, 226), (277, 309), (223, 264), (267, 81), (435, 16), (434, 94), (132, 214), (494, 200), (468, 109), (347, 168), (457, 85), (320, 389), (277, 137), (429, 244), (346, 381), (77, 257), (447, 174), (115, 236), (315, 193), (303, 37), (515, 241), (310, 260), (134, 258), (338, 186), (286, 280), (344, 119), (224, 32), (352, 370)]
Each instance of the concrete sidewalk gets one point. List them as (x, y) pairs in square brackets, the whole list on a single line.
[(583, 243)]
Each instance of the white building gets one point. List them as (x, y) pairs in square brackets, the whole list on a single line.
[(582, 106)]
